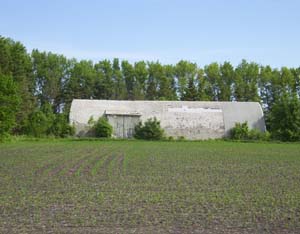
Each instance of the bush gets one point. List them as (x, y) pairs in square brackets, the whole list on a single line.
[(37, 124), (241, 132), (257, 135), (102, 128), (150, 130), (43, 122), (170, 138), (61, 126), (4, 137), (181, 138)]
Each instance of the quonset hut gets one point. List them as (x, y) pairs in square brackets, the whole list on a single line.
[(192, 120)]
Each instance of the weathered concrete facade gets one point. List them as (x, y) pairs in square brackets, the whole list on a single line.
[(192, 120)]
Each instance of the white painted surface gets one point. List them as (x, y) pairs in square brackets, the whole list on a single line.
[(186, 109)]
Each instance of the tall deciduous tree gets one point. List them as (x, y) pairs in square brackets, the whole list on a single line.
[(225, 82), (191, 93), (128, 73), (245, 83), (119, 83), (15, 62), (141, 76), (167, 85), (51, 71), (81, 83), (202, 86), (9, 104), (156, 73), (287, 81), (104, 81), (285, 118), (265, 86), (212, 76), (184, 72)]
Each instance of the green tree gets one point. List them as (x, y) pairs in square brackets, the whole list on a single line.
[(5, 55), (296, 73), (141, 75), (212, 76), (168, 89), (285, 118), (265, 85), (184, 72), (119, 83), (160, 84), (81, 83), (104, 82), (9, 104), (287, 81), (191, 93), (202, 86), (155, 70), (246, 82), (225, 82), (128, 73), (15, 62), (51, 72), (166, 86)]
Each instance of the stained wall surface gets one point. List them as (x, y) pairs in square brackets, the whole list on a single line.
[(192, 120)]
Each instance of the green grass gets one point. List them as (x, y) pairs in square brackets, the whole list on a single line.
[(71, 186)]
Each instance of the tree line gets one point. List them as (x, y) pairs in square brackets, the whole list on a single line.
[(38, 87)]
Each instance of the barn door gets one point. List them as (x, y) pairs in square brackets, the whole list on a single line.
[(123, 125), (129, 123)]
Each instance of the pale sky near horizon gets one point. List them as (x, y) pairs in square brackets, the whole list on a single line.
[(263, 31)]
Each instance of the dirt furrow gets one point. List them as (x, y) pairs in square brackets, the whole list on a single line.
[(42, 169), (104, 167), (57, 170), (87, 169), (120, 163), (64, 164), (72, 170)]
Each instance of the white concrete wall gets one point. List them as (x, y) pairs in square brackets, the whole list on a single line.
[(239, 112), (193, 120)]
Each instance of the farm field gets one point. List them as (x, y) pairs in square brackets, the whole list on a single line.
[(73, 186)]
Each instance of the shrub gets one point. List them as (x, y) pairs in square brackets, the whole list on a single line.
[(61, 126), (37, 124), (240, 131), (4, 137), (257, 135), (102, 128), (170, 138), (43, 122), (150, 130), (181, 138)]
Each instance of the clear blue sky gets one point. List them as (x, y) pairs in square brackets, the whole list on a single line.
[(264, 31)]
